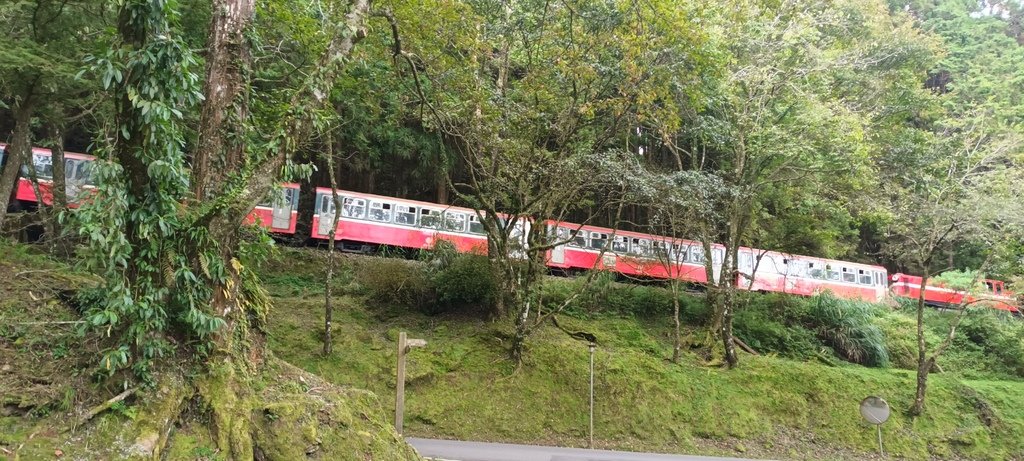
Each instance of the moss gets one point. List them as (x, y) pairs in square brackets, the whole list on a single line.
[(461, 386)]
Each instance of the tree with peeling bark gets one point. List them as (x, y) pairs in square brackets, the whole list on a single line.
[(180, 302)]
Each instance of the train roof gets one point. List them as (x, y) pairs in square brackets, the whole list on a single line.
[(48, 152)]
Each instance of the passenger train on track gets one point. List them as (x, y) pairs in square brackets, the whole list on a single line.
[(368, 221)]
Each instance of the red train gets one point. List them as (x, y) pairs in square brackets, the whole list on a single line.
[(368, 221), (279, 214)]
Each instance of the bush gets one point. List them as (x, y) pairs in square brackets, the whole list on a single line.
[(997, 337), (771, 323), (466, 284), (398, 282)]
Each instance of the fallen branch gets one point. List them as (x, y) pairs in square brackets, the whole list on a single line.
[(106, 405), (744, 346)]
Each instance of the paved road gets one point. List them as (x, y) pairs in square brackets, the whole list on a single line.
[(480, 451)]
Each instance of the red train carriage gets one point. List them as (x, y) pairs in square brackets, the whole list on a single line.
[(369, 220), (632, 254), (995, 296), (807, 276), (279, 215), (76, 173)]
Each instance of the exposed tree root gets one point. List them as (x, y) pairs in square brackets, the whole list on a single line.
[(282, 413)]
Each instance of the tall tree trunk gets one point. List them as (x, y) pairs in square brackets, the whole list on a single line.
[(328, 308), (923, 366), (442, 188), (59, 190), (19, 149), (226, 109)]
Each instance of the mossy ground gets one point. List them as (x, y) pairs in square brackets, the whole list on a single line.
[(47, 386), (462, 385)]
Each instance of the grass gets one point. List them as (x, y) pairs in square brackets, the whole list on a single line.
[(461, 386)]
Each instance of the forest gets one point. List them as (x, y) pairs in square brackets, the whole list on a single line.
[(879, 132)]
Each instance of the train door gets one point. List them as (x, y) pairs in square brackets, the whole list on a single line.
[(327, 212), (282, 210), (717, 255), (518, 239), (558, 252)]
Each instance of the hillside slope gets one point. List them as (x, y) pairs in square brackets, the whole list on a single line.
[(461, 385), (47, 389)]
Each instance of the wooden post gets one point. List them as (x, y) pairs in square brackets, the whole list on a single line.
[(400, 389), (404, 345), (592, 346)]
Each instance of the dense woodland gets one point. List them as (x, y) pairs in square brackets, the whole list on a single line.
[(883, 132)]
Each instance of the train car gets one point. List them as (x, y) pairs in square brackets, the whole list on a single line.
[(808, 276), (994, 296), (632, 254), (76, 173), (279, 215), (368, 221)]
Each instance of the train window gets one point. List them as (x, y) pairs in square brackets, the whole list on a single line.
[(598, 240), (43, 165), (879, 279), (864, 276), (353, 208), (848, 275), (620, 244), (796, 268), (679, 253), (380, 211), (831, 274), (815, 272), (454, 221), (643, 247), (405, 214), (326, 204), (579, 238), (475, 226), (430, 218), (697, 254), (717, 255)]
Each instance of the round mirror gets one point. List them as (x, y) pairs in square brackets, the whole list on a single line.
[(874, 409)]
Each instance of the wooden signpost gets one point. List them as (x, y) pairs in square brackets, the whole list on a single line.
[(404, 346)]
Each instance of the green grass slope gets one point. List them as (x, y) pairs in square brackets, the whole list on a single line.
[(461, 385)]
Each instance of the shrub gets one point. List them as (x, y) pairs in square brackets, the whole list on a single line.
[(397, 282), (466, 284), (765, 331)]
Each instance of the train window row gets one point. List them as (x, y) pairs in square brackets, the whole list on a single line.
[(285, 198), (635, 246), (403, 214), (75, 170)]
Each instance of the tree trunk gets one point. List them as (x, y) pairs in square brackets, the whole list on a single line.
[(328, 309), (922, 387), (727, 316), (223, 118), (923, 367), (676, 343), (59, 189), (19, 149), (442, 188)]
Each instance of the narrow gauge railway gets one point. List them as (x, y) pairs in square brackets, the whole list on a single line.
[(368, 221)]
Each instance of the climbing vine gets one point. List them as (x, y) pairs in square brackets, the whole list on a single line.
[(158, 268)]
